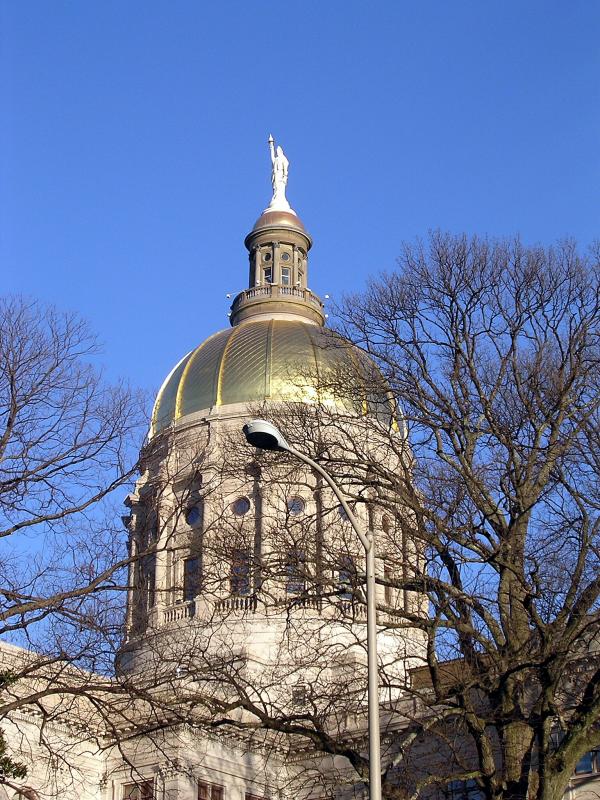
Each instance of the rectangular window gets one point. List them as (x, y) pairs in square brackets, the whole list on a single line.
[(299, 695), (191, 578), (463, 790), (268, 275), (346, 577), (387, 576), (588, 764), (286, 276), (139, 791), (210, 791), (295, 568), (239, 574), (147, 579)]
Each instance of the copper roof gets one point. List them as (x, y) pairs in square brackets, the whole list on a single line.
[(279, 219)]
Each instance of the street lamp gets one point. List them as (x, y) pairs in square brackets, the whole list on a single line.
[(262, 434)]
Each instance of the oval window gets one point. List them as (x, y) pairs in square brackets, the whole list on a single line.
[(240, 506), (295, 505), (285, 256)]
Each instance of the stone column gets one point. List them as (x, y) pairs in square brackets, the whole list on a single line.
[(295, 275), (276, 272)]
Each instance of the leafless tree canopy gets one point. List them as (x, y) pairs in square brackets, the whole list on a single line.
[(492, 351), (68, 439)]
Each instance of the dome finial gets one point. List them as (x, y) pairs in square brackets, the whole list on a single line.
[(279, 176)]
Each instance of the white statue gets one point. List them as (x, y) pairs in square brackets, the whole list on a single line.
[(279, 176)]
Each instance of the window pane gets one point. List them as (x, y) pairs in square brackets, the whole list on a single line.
[(239, 576), (268, 275), (295, 571), (203, 791), (295, 505), (210, 791), (585, 765), (463, 790), (299, 695), (191, 578), (286, 276), (194, 515), (147, 577), (387, 576), (139, 791), (147, 790), (240, 506), (346, 576)]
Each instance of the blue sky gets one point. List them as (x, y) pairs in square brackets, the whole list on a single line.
[(134, 157)]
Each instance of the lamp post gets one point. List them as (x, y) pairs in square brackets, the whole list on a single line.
[(262, 434)]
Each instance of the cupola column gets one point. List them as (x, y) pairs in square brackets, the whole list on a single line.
[(276, 277)]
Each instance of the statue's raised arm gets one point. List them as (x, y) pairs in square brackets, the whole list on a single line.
[(279, 176), (272, 148)]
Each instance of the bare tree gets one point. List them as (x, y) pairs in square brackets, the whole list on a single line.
[(68, 440), (492, 352)]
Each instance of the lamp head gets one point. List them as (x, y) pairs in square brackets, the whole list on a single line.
[(262, 434)]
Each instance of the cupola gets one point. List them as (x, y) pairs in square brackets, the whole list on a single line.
[(278, 247)]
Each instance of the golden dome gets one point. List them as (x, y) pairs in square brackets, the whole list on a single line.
[(274, 359)]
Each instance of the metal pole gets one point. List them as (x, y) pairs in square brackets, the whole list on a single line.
[(373, 696), (368, 543)]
